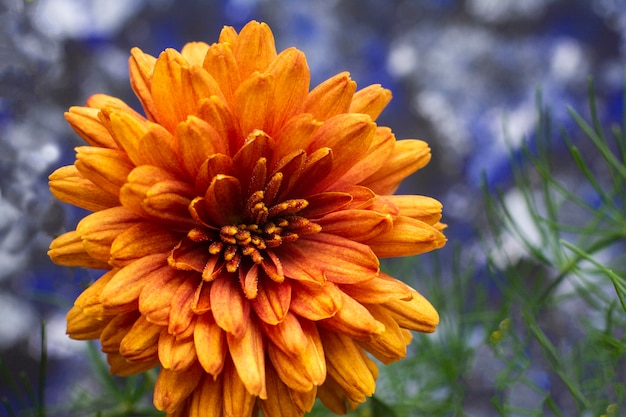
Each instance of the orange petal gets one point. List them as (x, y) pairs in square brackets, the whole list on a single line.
[(347, 366), (114, 332), (158, 147), (194, 52), (290, 369), (189, 256), (223, 201), (291, 75), (172, 387), (315, 302), (68, 250), (230, 309), (356, 225), (125, 287), (341, 260), (85, 121), (254, 49), (408, 237), (196, 141), (127, 131), (280, 403), (140, 343), (217, 114), (118, 365), (167, 202), (221, 64), (210, 343), (295, 134), (89, 299), (248, 356), (107, 168), (171, 89), (207, 396), (389, 346), (254, 103), (349, 136), (331, 97), (378, 290), (83, 327), (181, 314), (70, 186), (237, 400), (354, 320), (414, 314), (407, 157), (272, 302), (370, 100), (140, 240), (177, 355), (100, 229), (156, 297), (141, 68)]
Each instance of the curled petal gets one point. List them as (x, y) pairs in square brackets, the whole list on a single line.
[(85, 121), (419, 207), (272, 302), (83, 327), (141, 66), (140, 343), (174, 354), (173, 387), (237, 400), (315, 302), (378, 290), (370, 100), (414, 314), (69, 185), (248, 356), (69, 250), (357, 225), (291, 74)]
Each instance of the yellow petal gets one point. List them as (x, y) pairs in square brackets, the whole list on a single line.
[(194, 52), (206, 400), (356, 225), (389, 346), (70, 186), (354, 320), (84, 327), (107, 168), (407, 237), (237, 400), (85, 121), (378, 290), (140, 343), (419, 207), (172, 387), (414, 314), (370, 100), (114, 332), (174, 354), (68, 250)]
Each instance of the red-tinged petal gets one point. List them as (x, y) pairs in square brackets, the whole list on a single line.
[(181, 314), (341, 260), (347, 366), (254, 103), (196, 141), (353, 320), (291, 75), (356, 225), (85, 121), (216, 164), (189, 256), (249, 281), (210, 343), (408, 237), (177, 355), (316, 173), (223, 201), (370, 100), (140, 343), (273, 267), (207, 396), (331, 97), (254, 49), (125, 287), (70, 186), (377, 155), (202, 298), (230, 309), (349, 136), (325, 203), (172, 387), (295, 134), (140, 240), (378, 290), (171, 89), (419, 207), (258, 145), (68, 250), (298, 266), (107, 168), (156, 296), (99, 230), (414, 314), (272, 302), (221, 64), (141, 67), (248, 355), (237, 400), (315, 302), (407, 157)]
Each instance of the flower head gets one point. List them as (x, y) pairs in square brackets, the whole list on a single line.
[(241, 223)]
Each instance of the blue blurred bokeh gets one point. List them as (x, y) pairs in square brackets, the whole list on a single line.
[(464, 74)]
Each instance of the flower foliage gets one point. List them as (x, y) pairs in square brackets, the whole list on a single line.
[(241, 222)]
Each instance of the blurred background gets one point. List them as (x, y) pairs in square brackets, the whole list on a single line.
[(464, 76)]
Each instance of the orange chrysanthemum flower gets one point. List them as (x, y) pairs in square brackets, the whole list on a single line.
[(241, 222)]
